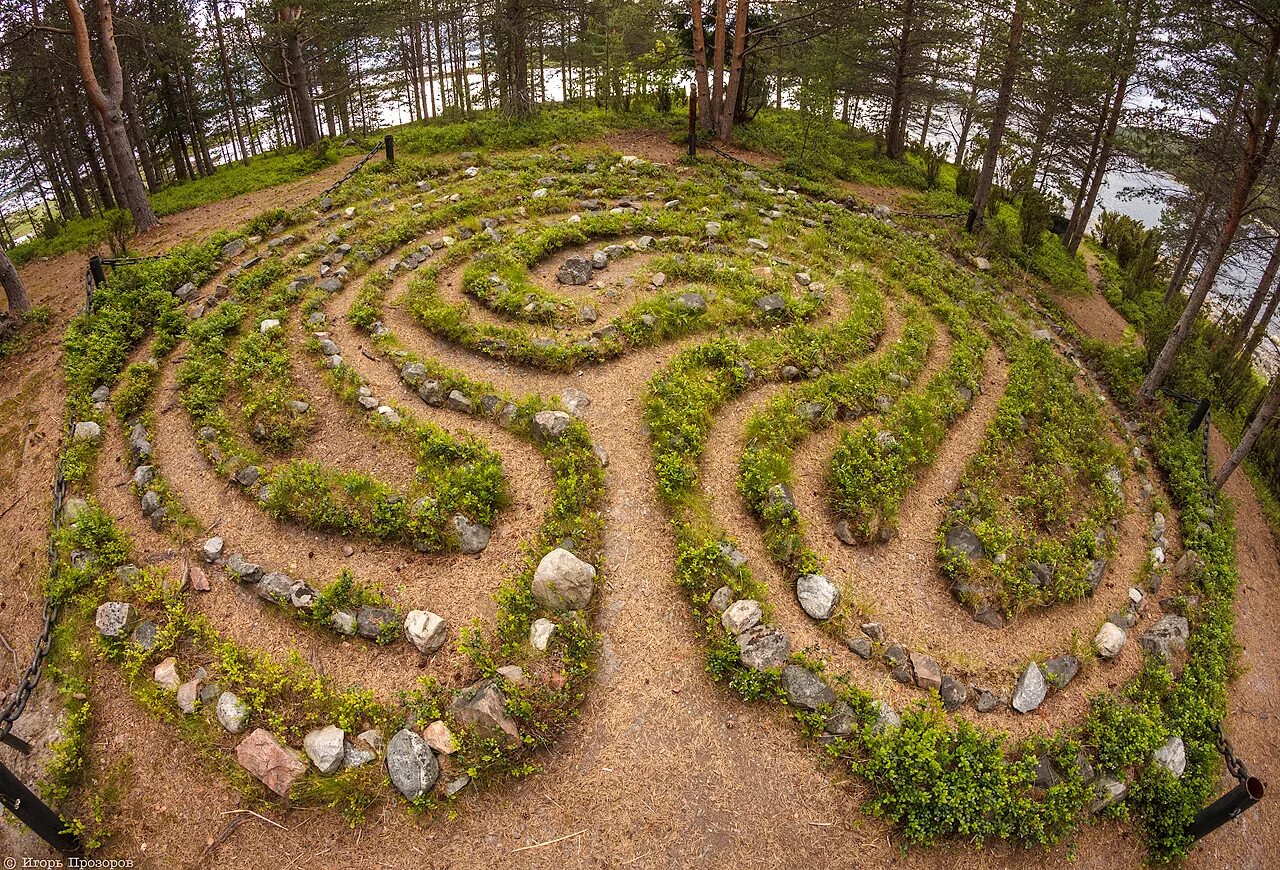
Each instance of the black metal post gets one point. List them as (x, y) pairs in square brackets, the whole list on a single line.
[(1198, 417), (693, 120), (32, 812), (390, 145), (8, 739), (96, 270), (1227, 807)]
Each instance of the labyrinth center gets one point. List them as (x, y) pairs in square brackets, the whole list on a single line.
[(340, 479)]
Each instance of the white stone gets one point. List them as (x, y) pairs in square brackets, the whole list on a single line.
[(1109, 640), (268, 325), (741, 615), (817, 595), (1172, 756), (212, 549), (425, 629), (231, 712), (563, 582), (1030, 690), (326, 748), (540, 633), (87, 431)]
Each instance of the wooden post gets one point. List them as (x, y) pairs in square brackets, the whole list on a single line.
[(390, 144), (693, 120)]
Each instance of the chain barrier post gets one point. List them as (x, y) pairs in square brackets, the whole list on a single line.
[(96, 270), (390, 145), (1248, 791), (36, 815), (15, 796)]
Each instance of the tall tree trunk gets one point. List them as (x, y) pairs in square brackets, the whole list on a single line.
[(1191, 250), (982, 192), (700, 64), (14, 291), (971, 101), (108, 103), (228, 87), (896, 125), (1262, 327), (1265, 414), (1257, 149), (108, 161), (717, 65), (1245, 326), (299, 77), (1080, 219), (138, 135), (1195, 242), (736, 63)]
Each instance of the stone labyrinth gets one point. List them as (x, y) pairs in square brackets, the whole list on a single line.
[(390, 422)]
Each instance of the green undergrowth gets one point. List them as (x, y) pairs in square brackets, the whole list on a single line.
[(1037, 495), (455, 475), (876, 462), (782, 423), (937, 777), (289, 699)]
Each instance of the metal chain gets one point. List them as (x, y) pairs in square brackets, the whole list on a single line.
[(129, 261), (352, 171), (14, 707), (1235, 766)]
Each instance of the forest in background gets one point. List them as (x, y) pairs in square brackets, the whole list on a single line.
[(109, 112)]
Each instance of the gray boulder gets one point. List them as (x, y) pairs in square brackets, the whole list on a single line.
[(693, 302), (372, 621), (962, 539), (87, 431), (771, 303), (472, 537), (563, 582), (411, 764), (483, 708), (1172, 756), (763, 648), (886, 717), (1031, 689), (575, 271), (277, 587), (805, 689), (817, 595), (1062, 670), (1167, 637), (231, 712), (114, 618), (953, 693), (550, 426), (1107, 791), (741, 615)]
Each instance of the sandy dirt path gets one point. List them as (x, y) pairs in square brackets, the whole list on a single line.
[(662, 769)]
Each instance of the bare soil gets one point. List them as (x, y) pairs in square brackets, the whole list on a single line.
[(661, 769)]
